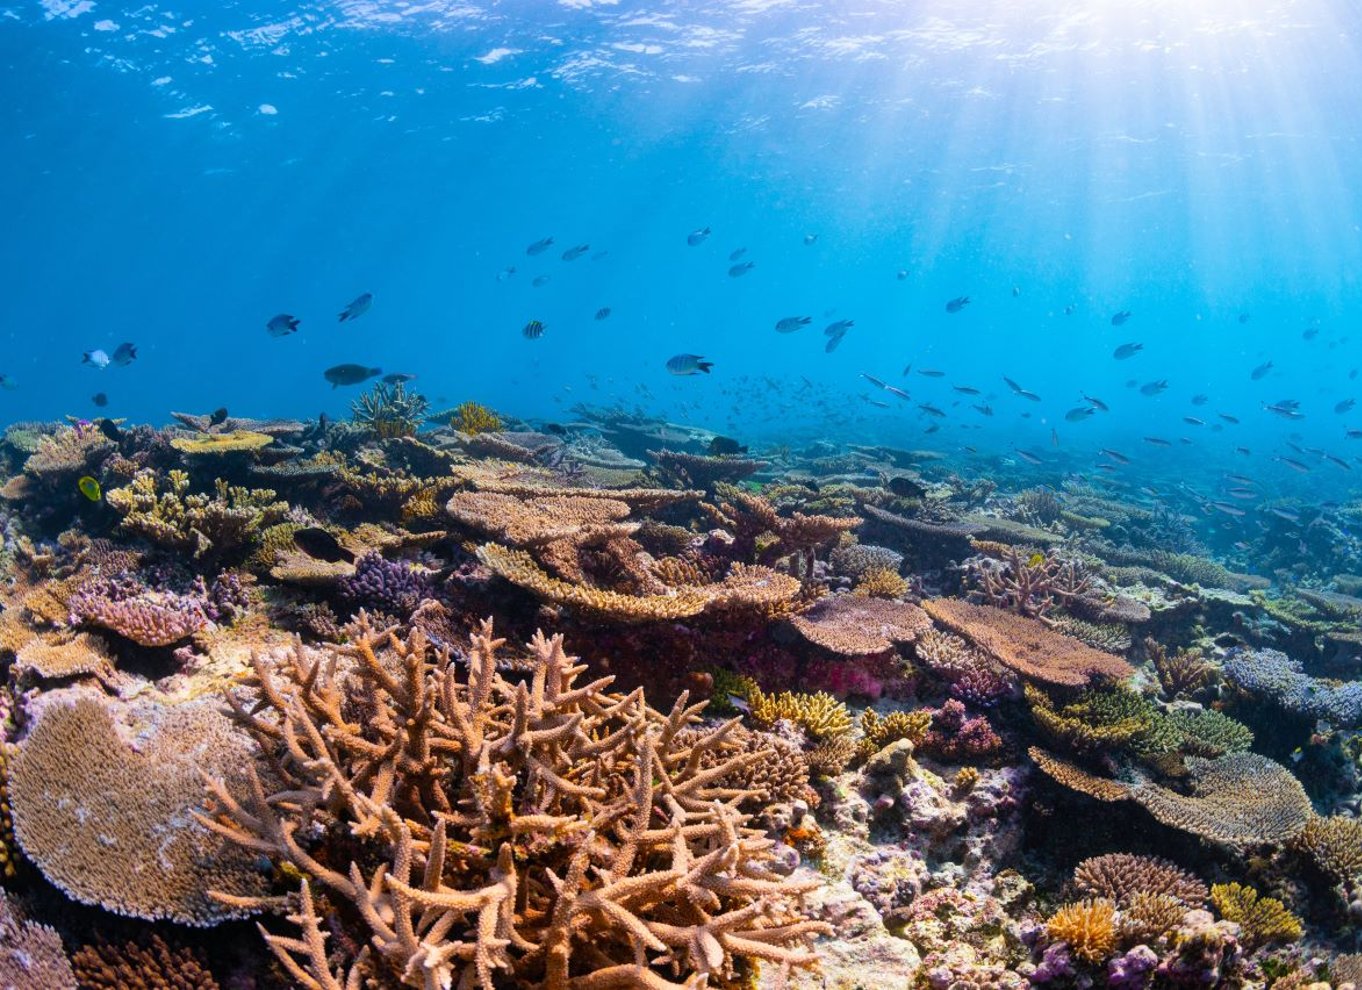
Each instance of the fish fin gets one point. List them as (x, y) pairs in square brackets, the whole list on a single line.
[(704, 366)]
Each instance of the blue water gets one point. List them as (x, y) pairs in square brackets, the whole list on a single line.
[(176, 175)]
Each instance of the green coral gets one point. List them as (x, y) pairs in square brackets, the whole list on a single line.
[(388, 411), (204, 524), (1099, 718)]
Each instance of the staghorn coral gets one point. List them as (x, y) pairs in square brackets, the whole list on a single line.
[(1334, 845), (1180, 673), (148, 965), (779, 772), (1087, 927), (1030, 586), (218, 444), (217, 524), (103, 808), (830, 757), (1260, 919), (473, 418), (820, 715), (31, 956), (1120, 877), (750, 517), (1238, 800), (542, 833), (853, 626), (878, 731), (1026, 645), (1347, 969), (1207, 732), (388, 411), (1275, 677)]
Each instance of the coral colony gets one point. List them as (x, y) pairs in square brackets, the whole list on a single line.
[(444, 701)]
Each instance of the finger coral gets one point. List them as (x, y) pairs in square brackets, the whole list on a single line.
[(1026, 645), (152, 965), (1260, 919), (1088, 928), (106, 815), (541, 833), (1118, 877)]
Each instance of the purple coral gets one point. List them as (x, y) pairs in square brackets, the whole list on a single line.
[(386, 586), (983, 687), (956, 737), (1133, 970), (147, 616)]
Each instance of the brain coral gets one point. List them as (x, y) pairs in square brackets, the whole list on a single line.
[(107, 816)]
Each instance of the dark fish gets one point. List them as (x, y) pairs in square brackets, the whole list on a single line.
[(1228, 418), (1096, 403), (358, 307), (833, 342), (1261, 371), (540, 246), (931, 373), (984, 410), (218, 417), (1285, 411), (737, 253), (124, 355), (839, 327), (790, 324), (905, 487), (1029, 457), (1119, 319), (1243, 317), (1154, 388), (697, 237), (742, 268), (1016, 291), (965, 389), (1354, 434), (282, 325), (532, 330), (100, 399), (1158, 441), (1243, 450), (1200, 400), (930, 409), (321, 545), (688, 364), (1339, 461), (1126, 351), (1344, 406), (398, 378), (349, 374), (541, 280), (721, 446), (1115, 455), (1078, 414), (901, 274), (603, 313), (957, 304), (573, 253), (1310, 333), (873, 380), (1293, 464), (810, 239), (110, 429), (1070, 309)]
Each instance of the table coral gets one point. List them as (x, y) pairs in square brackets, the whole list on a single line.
[(853, 626), (218, 444), (545, 830)]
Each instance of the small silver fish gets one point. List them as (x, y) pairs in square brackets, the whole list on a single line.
[(97, 358)]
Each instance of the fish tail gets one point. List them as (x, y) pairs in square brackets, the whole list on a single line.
[(704, 365)]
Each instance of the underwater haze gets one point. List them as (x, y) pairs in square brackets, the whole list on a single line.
[(177, 175)]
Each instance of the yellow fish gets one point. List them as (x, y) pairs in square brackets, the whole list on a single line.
[(1036, 560), (89, 487)]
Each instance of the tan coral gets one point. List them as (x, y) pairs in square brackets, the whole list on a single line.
[(149, 965), (31, 955), (853, 626), (107, 818), (1119, 877), (526, 521), (1026, 645), (1088, 927), (64, 657)]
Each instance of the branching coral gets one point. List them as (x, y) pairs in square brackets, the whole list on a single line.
[(1260, 919), (820, 715), (149, 965), (31, 955), (1180, 673), (1334, 844), (147, 617), (878, 731), (859, 559), (1097, 719), (1029, 586), (1026, 645), (388, 411), (750, 518), (473, 418), (881, 583), (547, 831), (1088, 927), (71, 451), (1119, 877), (386, 586), (779, 772), (700, 470), (221, 523), (1275, 677)]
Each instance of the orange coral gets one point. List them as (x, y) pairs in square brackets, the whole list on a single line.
[(1088, 927)]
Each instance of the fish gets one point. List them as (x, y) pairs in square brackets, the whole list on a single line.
[(957, 304), (984, 410), (930, 409), (1016, 291), (1154, 388), (540, 246), (1028, 395), (1200, 400), (897, 391), (1284, 411), (282, 325), (100, 399), (349, 374), (1193, 421), (1054, 437), (1115, 455), (603, 313), (965, 389), (1070, 309), (1078, 414), (697, 237), (506, 273), (1096, 403), (575, 252), (1293, 464), (89, 487), (737, 253), (1228, 418), (931, 373), (1339, 461), (1260, 372), (1126, 351), (833, 342), (742, 268), (688, 364), (1242, 493), (877, 403), (1310, 333), (1240, 479), (873, 380), (1243, 318), (1243, 450), (1225, 507), (840, 327), (96, 358), (398, 378), (1119, 319), (1029, 457), (1158, 441), (1344, 406), (110, 429), (905, 487), (1287, 514), (532, 330), (358, 307), (218, 417), (1354, 434), (725, 446), (810, 239), (318, 544), (541, 280), (907, 368), (124, 354), (901, 274), (792, 323)]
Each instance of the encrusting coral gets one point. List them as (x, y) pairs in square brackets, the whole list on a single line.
[(544, 830)]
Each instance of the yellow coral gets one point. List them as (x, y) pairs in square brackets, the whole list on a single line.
[(881, 582), (7, 854), (474, 418), (820, 715), (965, 779), (1260, 919), (232, 442), (879, 731), (1088, 927)]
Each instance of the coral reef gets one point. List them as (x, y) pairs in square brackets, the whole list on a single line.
[(135, 966), (31, 955)]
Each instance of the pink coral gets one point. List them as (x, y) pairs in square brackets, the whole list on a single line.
[(148, 618), (957, 737)]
